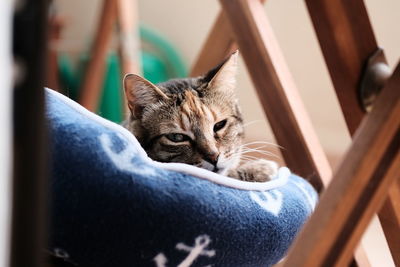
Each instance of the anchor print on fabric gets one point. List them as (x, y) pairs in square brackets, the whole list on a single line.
[(199, 249), (270, 201), (123, 159), (60, 255)]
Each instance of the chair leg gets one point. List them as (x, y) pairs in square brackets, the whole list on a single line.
[(91, 87), (359, 187), (129, 41)]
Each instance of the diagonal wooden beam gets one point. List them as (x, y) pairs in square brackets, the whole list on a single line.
[(277, 91), (347, 41), (128, 26), (91, 87), (219, 44), (359, 187), (129, 40)]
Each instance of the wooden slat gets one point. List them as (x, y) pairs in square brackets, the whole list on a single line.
[(219, 44), (129, 43), (362, 181), (277, 91), (347, 41), (129, 36), (90, 90)]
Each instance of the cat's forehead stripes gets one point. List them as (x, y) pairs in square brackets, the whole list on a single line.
[(184, 122), (194, 111)]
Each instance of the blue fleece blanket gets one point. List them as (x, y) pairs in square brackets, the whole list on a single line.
[(113, 206)]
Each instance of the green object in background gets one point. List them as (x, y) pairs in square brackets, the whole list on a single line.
[(154, 69), (68, 80), (154, 46), (160, 62), (111, 102)]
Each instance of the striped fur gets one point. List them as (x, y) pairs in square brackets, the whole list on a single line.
[(180, 121)]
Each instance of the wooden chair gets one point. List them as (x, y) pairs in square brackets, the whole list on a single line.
[(114, 12), (365, 182)]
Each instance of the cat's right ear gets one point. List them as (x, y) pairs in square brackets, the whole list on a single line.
[(223, 77), (139, 93)]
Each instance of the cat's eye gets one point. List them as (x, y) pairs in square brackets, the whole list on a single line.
[(219, 125), (177, 137)]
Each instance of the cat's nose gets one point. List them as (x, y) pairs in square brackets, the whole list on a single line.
[(212, 158)]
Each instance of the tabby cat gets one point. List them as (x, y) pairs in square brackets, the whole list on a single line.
[(195, 121)]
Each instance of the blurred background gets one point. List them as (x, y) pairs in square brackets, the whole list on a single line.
[(181, 27)]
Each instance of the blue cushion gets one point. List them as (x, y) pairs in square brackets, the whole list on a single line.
[(111, 205)]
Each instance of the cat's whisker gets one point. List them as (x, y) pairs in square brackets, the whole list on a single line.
[(258, 150), (251, 122), (255, 148), (262, 142), (249, 159), (261, 152)]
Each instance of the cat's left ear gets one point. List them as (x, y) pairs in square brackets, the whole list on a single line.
[(224, 76), (140, 93)]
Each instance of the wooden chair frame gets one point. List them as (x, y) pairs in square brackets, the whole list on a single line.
[(122, 13), (364, 179)]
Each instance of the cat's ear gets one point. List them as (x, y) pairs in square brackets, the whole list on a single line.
[(224, 75), (140, 92)]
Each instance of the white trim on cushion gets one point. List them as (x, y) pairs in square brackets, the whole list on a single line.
[(280, 180)]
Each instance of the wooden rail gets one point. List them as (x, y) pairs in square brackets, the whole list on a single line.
[(358, 189), (91, 88), (347, 41)]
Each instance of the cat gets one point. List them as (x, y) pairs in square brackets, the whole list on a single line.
[(195, 121)]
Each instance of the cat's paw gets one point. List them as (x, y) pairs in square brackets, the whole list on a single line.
[(259, 170)]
